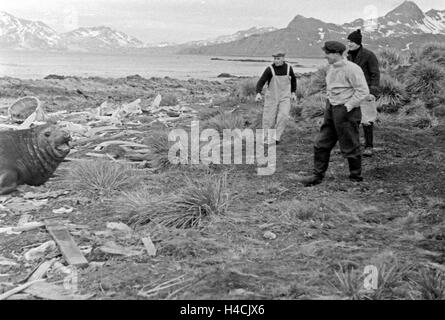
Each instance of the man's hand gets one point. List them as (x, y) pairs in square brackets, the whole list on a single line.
[(294, 97), (258, 97), (348, 107), (370, 98)]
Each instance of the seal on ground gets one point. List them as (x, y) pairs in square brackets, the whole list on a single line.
[(31, 156)]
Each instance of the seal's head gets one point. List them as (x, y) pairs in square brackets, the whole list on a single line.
[(54, 140)]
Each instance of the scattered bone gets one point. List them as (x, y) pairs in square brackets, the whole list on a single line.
[(51, 291), (40, 251), (112, 248), (19, 289), (119, 226), (63, 210), (119, 142), (41, 271), (151, 249), (270, 235)]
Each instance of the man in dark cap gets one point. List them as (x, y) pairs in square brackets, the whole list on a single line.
[(346, 87), (370, 66), (281, 88)]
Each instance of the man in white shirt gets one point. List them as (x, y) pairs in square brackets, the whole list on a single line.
[(346, 88)]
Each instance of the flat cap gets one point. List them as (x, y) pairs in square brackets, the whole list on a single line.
[(279, 54), (334, 47)]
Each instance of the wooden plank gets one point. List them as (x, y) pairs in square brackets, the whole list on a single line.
[(68, 247)]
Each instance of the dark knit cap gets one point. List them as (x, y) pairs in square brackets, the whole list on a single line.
[(356, 37), (334, 47)]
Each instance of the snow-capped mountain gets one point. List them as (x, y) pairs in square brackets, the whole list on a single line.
[(16, 33), (233, 37), (99, 38), (404, 27), (406, 19), (25, 34), (160, 44)]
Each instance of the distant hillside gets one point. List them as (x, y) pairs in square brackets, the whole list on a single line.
[(404, 27)]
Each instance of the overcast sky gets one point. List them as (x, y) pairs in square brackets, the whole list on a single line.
[(184, 20)]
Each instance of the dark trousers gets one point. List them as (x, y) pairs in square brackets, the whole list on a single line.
[(342, 126), (368, 133)]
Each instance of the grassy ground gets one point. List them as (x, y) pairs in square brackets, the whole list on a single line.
[(326, 234)]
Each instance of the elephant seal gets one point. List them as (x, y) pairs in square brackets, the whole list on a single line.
[(31, 156)]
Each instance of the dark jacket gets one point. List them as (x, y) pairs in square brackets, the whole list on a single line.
[(367, 60), (279, 71)]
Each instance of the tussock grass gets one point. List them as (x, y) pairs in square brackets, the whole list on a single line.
[(295, 111), (392, 274), (417, 115), (247, 88), (425, 79), (348, 282), (225, 120), (199, 199), (433, 52), (295, 210), (159, 147), (391, 59), (416, 107), (226, 102), (313, 106), (392, 95), (430, 284), (101, 177), (303, 87), (318, 80), (257, 119)]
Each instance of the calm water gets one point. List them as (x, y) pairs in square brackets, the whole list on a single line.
[(31, 65)]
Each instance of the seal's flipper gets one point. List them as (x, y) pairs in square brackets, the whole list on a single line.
[(8, 181)]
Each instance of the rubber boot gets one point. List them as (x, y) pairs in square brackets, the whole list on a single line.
[(368, 133), (321, 163), (355, 169), (311, 180)]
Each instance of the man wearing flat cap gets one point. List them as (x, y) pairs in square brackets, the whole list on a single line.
[(281, 88), (346, 87), (367, 60)]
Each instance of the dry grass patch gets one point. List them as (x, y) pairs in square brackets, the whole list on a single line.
[(159, 147), (318, 81), (425, 79), (392, 95), (433, 52), (303, 87), (198, 199), (101, 177), (247, 88), (225, 120), (417, 115), (313, 106), (391, 59), (430, 284)]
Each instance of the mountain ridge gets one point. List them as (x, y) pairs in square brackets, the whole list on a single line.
[(404, 27)]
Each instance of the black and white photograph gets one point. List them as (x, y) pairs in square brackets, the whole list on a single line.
[(245, 151)]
